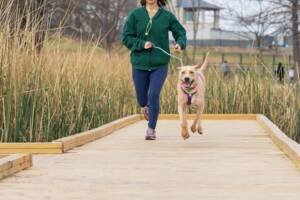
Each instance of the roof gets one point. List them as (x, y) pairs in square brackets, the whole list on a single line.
[(197, 4)]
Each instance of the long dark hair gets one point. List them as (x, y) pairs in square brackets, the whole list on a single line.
[(159, 2)]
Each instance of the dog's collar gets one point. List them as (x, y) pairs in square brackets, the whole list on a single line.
[(189, 91)]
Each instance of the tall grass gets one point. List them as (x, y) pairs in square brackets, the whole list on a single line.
[(59, 93), (62, 91)]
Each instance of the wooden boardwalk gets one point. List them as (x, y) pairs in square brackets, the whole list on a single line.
[(233, 160)]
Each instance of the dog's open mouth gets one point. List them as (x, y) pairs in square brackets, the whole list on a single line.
[(188, 84)]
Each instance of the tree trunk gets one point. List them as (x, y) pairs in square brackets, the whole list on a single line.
[(260, 53), (195, 31), (295, 33), (194, 45)]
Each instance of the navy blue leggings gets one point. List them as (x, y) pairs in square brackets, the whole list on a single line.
[(148, 85)]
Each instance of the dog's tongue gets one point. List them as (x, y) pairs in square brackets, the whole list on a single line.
[(186, 85)]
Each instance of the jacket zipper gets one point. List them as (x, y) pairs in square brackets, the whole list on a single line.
[(148, 37)]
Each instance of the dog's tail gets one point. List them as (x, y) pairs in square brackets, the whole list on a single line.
[(202, 66)]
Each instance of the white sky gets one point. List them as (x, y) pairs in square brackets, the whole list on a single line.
[(245, 6)]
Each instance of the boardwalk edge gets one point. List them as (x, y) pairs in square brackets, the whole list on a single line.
[(65, 144), (12, 164), (32, 148), (211, 116), (80, 139), (286, 144)]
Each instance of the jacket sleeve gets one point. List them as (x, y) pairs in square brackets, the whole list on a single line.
[(129, 36), (178, 32)]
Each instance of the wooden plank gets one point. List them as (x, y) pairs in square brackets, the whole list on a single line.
[(34, 148), (14, 170), (211, 116), (32, 151), (21, 160), (12, 164), (80, 139), (30, 145), (286, 144), (16, 159), (5, 165)]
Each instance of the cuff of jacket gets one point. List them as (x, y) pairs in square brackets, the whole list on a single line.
[(142, 45), (182, 44)]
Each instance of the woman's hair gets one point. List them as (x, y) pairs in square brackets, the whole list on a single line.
[(159, 2)]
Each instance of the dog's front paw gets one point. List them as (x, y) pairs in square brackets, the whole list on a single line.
[(185, 133), (193, 128), (185, 137), (200, 130)]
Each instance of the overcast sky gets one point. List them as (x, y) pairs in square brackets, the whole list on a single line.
[(244, 6)]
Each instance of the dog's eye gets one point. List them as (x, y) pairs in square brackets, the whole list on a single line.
[(191, 72), (183, 72)]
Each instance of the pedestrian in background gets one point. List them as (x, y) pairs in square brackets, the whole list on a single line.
[(225, 69), (280, 72)]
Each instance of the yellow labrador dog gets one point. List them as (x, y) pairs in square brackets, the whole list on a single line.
[(191, 89)]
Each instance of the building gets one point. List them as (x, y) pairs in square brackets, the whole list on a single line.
[(208, 14), (209, 32)]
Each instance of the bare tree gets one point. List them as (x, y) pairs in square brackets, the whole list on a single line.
[(92, 19), (24, 15), (294, 4), (285, 20), (257, 23), (196, 21), (113, 14)]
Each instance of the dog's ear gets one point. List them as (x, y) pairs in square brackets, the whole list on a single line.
[(202, 66)]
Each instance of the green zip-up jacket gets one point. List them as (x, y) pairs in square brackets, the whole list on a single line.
[(134, 37)]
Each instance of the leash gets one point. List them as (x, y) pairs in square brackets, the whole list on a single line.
[(148, 29), (169, 54), (189, 94)]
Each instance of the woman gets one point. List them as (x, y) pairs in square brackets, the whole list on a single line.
[(147, 27)]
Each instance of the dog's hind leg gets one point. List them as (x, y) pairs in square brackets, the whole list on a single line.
[(199, 128), (197, 125), (183, 119), (194, 126)]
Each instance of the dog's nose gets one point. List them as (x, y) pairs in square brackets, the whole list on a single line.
[(186, 79)]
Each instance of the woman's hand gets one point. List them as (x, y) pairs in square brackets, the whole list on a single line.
[(177, 48), (148, 45)]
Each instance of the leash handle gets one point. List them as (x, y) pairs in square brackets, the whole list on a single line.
[(169, 54)]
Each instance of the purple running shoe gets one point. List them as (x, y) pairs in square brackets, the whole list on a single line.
[(150, 134)]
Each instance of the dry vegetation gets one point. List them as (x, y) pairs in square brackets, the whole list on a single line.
[(66, 90)]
